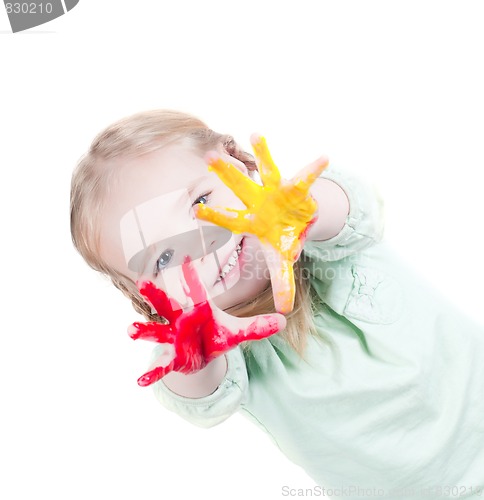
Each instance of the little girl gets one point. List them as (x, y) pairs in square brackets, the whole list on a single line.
[(370, 381)]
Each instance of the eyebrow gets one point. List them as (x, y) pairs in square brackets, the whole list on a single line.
[(193, 184)]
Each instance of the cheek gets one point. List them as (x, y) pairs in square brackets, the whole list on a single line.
[(254, 255)]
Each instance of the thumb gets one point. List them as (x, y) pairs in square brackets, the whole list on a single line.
[(252, 328), (282, 279)]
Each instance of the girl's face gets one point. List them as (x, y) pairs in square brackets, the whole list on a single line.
[(148, 227)]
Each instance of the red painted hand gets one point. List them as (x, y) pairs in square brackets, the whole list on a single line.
[(198, 335)]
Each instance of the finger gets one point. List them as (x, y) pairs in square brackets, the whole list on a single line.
[(257, 328), (282, 279), (194, 287), (230, 330), (264, 326), (243, 187), (306, 176), (154, 375), (152, 331), (164, 306), (233, 220), (269, 173)]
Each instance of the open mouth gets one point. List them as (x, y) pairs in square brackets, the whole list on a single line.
[(231, 263)]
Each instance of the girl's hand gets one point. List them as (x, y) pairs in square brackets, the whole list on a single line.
[(195, 336), (279, 213)]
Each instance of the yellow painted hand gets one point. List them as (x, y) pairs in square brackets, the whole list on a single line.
[(279, 213)]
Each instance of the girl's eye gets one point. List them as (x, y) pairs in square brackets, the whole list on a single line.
[(203, 199), (163, 260)]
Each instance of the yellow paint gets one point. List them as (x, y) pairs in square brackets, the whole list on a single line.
[(278, 213)]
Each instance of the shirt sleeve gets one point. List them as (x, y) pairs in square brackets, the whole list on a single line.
[(364, 224), (218, 406)]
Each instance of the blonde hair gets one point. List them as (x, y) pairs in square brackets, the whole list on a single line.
[(140, 134)]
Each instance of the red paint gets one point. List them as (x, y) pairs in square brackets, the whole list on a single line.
[(196, 334), (302, 237)]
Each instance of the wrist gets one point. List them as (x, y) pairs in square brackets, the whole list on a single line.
[(333, 210), (200, 384)]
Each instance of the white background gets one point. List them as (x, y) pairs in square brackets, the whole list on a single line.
[(392, 90)]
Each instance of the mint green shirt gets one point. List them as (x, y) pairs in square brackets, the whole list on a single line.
[(393, 399)]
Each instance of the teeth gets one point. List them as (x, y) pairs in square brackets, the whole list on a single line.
[(230, 263)]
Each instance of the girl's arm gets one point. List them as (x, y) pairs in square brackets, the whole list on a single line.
[(364, 209), (206, 400), (199, 384), (333, 209)]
